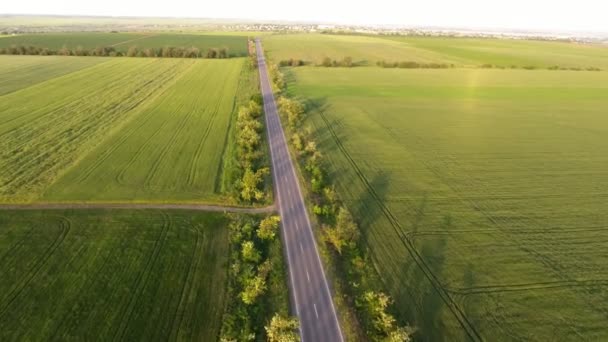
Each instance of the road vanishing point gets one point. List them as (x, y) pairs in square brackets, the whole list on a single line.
[(310, 296)]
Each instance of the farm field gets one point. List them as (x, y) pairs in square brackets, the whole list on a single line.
[(129, 123), (363, 50), (237, 45), (507, 52), (17, 72), (171, 151), (112, 275), (480, 193), (462, 52)]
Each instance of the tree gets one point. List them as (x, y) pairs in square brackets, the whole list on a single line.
[(249, 252), (250, 182), (345, 233), (347, 62), (132, 52), (326, 62), (223, 53), (212, 53), (296, 141), (64, 51), (253, 288), (282, 329), (269, 227), (399, 334)]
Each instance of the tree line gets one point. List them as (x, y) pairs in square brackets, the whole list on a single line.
[(339, 228), (534, 67), (413, 65), (109, 51), (254, 269)]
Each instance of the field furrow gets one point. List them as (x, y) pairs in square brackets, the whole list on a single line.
[(171, 151)]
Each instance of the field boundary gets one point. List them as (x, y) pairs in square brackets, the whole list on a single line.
[(101, 205)]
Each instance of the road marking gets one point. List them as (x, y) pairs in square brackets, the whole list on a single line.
[(297, 226), (301, 248), (307, 275), (316, 312)]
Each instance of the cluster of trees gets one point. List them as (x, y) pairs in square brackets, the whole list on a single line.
[(253, 60), (346, 62), (413, 65), (109, 51), (342, 234), (282, 329), (291, 62), (249, 152), (250, 267), (533, 67)]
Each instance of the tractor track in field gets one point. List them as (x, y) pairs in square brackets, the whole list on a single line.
[(179, 206), (458, 313)]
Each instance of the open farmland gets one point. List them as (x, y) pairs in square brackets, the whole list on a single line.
[(236, 44), (112, 275), (171, 151), (365, 50), (165, 122), (462, 52), (18, 72), (508, 52), (481, 194)]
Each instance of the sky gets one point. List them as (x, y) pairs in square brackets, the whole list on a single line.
[(562, 15)]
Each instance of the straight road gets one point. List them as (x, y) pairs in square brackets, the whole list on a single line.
[(310, 295)]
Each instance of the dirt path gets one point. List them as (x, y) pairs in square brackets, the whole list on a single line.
[(201, 207), (134, 39)]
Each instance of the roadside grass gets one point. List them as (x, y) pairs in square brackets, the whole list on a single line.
[(171, 151), (18, 72), (48, 127), (476, 191), (121, 274)]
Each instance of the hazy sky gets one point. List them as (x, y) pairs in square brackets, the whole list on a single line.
[(590, 15)]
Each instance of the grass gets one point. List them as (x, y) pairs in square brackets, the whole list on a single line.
[(171, 151), (478, 193), (17, 72), (237, 45), (462, 52), (104, 275)]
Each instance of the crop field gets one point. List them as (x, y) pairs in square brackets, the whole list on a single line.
[(18, 72), (112, 275), (481, 193), (171, 151), (237, 45), (461, 52), (507, 52), (161, 124)]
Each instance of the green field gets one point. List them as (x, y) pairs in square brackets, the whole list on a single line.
[(112, 275), (125, 129), (462, 52), (480, 193), (237, 45), (18, 72), (171, 151)]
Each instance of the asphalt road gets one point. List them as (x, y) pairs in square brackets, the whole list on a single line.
[(310, 296)]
